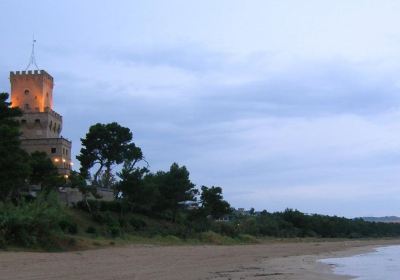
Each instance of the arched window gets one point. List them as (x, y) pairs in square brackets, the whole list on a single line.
[(26, 92)]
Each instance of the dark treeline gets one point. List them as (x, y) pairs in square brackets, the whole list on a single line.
[(146, 203), (287, 224), (293, 223)]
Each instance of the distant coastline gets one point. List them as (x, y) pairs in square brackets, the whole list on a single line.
[(386, 219)]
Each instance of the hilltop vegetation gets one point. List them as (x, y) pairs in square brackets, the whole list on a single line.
[(162, 206)]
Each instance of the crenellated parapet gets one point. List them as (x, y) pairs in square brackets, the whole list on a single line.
[(32, 91), (30, 73)]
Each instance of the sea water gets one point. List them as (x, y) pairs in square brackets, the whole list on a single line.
[(383, 264)]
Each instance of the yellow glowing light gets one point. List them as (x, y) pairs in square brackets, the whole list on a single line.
[(66, 176), (56, 160), (63, 160), (71, 163)]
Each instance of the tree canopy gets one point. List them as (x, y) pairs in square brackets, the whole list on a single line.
[(104, 146), (212, 202), (14, 162), (44, 171), (175, 188)]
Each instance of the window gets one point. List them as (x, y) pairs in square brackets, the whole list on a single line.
[(23, 121), (26, 92), (53, 150), (37, 121), (27, 107)]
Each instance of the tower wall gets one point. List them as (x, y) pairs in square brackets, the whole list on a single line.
[(40, 125), (58, 150), (32, 91)]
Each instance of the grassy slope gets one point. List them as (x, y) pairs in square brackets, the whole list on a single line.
[(149, 235)]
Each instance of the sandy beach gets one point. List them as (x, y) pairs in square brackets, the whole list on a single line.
[(274, 260)]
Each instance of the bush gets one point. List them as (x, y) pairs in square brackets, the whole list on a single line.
[(114, 230), (32, 224), (91, 230), (246, 238), (68, 226), (101, 205), (105, 218), (215, 238), (136, 223), (224, 228)]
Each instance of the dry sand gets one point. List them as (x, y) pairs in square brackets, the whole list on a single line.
[(272, 260)]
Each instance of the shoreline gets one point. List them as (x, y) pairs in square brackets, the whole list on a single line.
[(273, 260), (310, 267)]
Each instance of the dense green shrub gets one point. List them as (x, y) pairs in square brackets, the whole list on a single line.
[(224, 228), (114, 230), (137, 223), (68, 226), (105, 218), (91, 230), (33, 224)]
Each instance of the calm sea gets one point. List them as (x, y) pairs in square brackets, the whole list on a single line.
[(384, 264)]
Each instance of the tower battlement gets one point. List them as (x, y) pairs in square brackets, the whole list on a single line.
[(32, 91), (31, 73)]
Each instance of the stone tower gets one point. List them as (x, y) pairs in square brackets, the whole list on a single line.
[(32, 92)]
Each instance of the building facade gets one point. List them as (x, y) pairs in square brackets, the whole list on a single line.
[(32, 92)]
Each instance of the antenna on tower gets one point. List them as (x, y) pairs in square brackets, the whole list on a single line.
[(32, 59)]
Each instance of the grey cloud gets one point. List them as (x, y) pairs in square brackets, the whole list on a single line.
[(189, 57), (327, 89)]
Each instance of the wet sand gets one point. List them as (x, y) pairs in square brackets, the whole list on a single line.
[(273, 260)]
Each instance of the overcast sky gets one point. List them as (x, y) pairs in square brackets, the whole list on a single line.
[(282, 103)]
